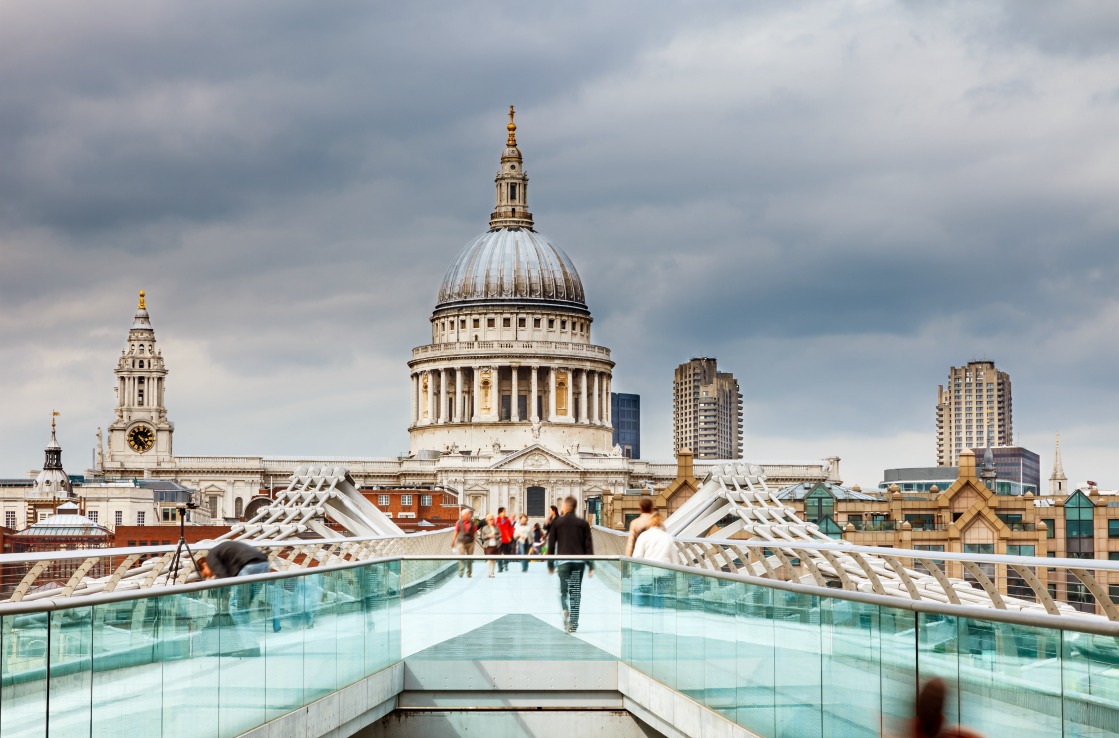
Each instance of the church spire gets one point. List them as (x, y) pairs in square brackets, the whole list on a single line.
[(1058, 482), (511, 208)]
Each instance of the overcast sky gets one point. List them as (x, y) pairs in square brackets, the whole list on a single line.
[(839, 201)]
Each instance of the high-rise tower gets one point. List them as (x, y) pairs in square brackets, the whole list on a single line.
[(706, 411), (973, 411), (140, 436)]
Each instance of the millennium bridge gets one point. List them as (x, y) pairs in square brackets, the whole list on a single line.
[(363, 630)]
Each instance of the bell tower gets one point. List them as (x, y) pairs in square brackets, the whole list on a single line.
[(140, 436)]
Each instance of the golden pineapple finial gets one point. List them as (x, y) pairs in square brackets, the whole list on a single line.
[(142, 306), (512, 140)]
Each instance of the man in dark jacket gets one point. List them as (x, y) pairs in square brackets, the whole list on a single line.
[(236, 559), (570, 535)]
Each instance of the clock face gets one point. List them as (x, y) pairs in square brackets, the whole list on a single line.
[(141, 438)]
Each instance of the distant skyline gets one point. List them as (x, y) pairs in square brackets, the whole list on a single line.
[(839, 201)]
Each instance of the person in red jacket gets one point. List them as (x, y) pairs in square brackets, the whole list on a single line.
[(505, 525)]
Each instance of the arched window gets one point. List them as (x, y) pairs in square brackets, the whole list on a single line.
[(141, 363), (238, 508)]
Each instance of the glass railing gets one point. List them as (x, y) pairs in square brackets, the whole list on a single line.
[(777, 658), (781, 660), (205, 661)]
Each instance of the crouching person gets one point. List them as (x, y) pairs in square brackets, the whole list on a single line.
[(235, 559)]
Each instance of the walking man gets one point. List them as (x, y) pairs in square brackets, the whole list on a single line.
[(505, 525), (638, 525), (463, 544), (570, 536)]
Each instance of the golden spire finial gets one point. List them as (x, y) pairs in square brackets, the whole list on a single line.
[(512, 140), (142, 306), (54, 414)]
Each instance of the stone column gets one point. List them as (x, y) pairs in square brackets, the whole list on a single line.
[(458, 395), (415, 407), (552, 394), (606, 401), (477, 392), (430, 396), (514, 409), (583, 396), (596, 411), (532, 398), (442, 396)]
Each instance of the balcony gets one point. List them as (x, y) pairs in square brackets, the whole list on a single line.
[(501, 348)]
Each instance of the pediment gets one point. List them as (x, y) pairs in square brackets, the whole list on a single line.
[(536, 458)]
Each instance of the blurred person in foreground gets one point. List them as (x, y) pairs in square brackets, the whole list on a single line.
[(656, 544), (640, 524), (237, 559), (570, 535), (928, 719)]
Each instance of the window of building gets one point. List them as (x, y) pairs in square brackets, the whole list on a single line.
[(10, 519), (169, 515), (1079, 516), (462, 323), (425, 500), (563, 325), (536, 322), (1113, 528), (476, 323), (1113, 555), (140, 516), (1113, 592), (238, 507), (118, 518), (506, 323), (520, 322), (1019, 550), (406, 500), (382, 501), (534, 502), (819, 504), (490, 323), (1050, 527), (512, 190), (551, 323), (91, 514)]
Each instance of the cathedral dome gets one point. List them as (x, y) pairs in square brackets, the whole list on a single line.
[(512, 265)]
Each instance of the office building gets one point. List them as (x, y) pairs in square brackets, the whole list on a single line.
[(707, 410), (625, 410), (973, 411)]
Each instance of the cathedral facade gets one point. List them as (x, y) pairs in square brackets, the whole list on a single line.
[(510, 401)]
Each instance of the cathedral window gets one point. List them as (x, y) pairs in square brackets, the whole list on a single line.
[(536, 322), (462, 323), (520, 322), (551, 323), (512, 190), (490, 322), (505, 323), (238, 507), (563, 325), (476, 323), (141, 363)]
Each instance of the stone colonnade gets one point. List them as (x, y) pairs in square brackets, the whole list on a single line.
[(486, 392)]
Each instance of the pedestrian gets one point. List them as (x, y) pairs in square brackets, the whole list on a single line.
[(537, 539), (505, 525), (929, 720), (522, 536), (491, 542), (569, 535), (463, 542), (236, 559), (553, 513), (657, 544), (639, 524)]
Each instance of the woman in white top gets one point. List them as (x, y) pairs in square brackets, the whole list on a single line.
[(522, 537), (657, 544)]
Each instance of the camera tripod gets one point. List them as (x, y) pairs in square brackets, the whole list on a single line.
[(177, 559)]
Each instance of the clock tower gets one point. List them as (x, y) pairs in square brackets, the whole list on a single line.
[(140, 436)]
